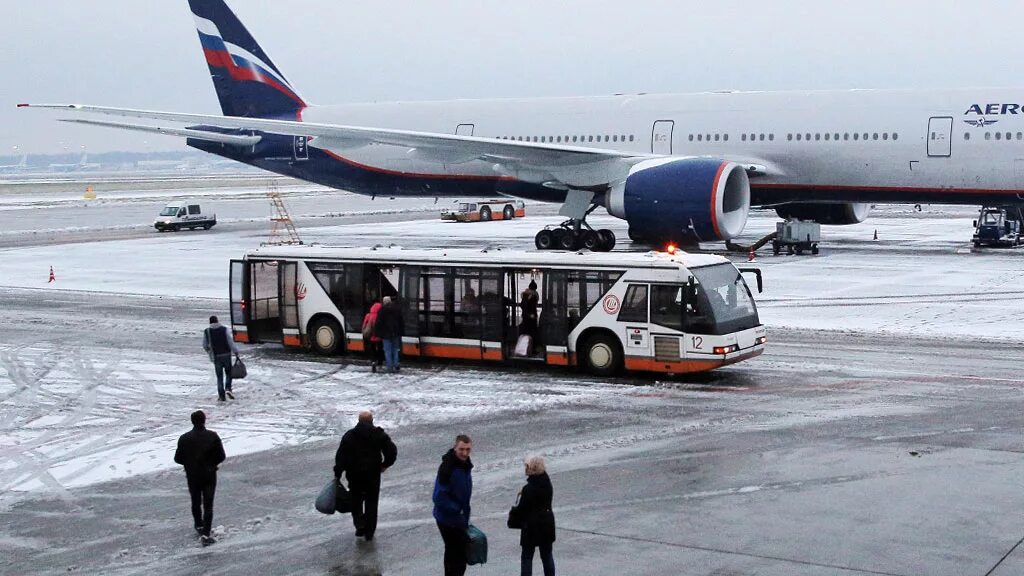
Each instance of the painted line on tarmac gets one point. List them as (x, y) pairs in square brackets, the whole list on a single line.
[(1005, 556), (731, 552)]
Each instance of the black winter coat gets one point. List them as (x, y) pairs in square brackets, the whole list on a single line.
[(200, 451), (535, 508), (390, 323), (363, 452)]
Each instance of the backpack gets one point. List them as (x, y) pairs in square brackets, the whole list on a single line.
[(368, 325)]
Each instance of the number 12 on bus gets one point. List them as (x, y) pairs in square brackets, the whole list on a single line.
[(605, 313)]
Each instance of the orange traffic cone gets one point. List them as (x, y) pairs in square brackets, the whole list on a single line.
[(53, 278)]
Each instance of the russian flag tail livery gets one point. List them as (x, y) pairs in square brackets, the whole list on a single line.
[(247, 82)]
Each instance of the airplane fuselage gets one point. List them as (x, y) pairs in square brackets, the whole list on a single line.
[(901, 146)]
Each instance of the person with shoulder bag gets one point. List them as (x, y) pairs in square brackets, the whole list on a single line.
[(532, 515), (219, 344)]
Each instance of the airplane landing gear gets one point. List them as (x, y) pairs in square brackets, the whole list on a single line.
[(573, 235)]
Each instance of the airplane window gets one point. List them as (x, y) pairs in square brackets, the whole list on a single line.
[(1008, 136), (835, 136), (999, 135), (691, 137), (988, 135), (631, 137), (590, 138), (622, 138), (967, 135), (846, 136), (615, 138), (827, 136), (865, 135), (856, 136), (817, 137), (1019, 135), (789, 136), (716, 137), (798, 137), (543, 139), (725, 137), (885, 135), (771, 137), (895, 136), (743, 137), (753, 137), (807, 136), (874, 136)]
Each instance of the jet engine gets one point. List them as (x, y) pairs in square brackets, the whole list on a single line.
[(832, 214), (682, 200)]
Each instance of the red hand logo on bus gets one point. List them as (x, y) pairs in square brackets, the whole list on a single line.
[(611, 304), (300, 291)]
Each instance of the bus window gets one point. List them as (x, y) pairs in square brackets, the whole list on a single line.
[(723, 290), (634, 309), (344, 285), (466, 319), (667, 306)]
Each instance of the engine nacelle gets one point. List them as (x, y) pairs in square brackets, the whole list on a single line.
[(683, 200), (831, 214)]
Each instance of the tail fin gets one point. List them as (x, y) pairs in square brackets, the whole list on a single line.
[(247, 82)]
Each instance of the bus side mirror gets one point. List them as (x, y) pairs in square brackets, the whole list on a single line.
[(756, 272)]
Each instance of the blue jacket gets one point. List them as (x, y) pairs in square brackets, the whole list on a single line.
[(453, 489)]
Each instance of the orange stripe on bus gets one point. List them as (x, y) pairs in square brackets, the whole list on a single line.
[(242, 337), (558, 359), (290, 340), (356, 346)]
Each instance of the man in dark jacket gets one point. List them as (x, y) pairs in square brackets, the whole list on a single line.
[(200, 451), (390, 327), (453, 490), (365, 452), (219, 343)]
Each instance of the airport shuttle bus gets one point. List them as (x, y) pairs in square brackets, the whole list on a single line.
[(605, 313)]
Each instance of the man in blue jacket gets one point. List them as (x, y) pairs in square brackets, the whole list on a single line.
[(453, 489)]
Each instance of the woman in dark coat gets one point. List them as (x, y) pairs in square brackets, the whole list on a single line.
[(538, 520)]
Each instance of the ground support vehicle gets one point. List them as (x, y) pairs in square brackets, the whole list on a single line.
[(998, 226), (485, 211), (180, 215), (605, 313), (796, 236)]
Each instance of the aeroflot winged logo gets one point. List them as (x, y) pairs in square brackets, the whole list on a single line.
[(980, 111)]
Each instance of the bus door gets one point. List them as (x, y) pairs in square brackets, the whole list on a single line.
[(492, 315), (667, 312), (289, 294), (264, 301), (410, 294), (555, 327), (633, 323), (238, 289), (517, 285)]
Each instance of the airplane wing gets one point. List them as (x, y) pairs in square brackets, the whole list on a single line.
[(552, 164)]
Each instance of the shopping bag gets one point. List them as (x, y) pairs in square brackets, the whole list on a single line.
[(238, 370), (326, 501), (523, 345), (515, 516), (476, 546)]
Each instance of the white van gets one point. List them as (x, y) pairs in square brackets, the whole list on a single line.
[(178, 215)]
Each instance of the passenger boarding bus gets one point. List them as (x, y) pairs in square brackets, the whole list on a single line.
[(603, 312)]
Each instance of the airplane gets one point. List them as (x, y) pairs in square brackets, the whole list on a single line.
[(678, 168), (81, 165), (19, 167)]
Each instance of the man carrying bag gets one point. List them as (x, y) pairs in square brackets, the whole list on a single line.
[(219, 344)]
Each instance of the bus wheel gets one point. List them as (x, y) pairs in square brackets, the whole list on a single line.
[(325, 336), (544, 240), (485, 213), (602, 355), (508, 213)]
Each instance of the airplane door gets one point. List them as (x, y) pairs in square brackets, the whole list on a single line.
[(301, 148), (464, 129), (661, 137), (940, 136)]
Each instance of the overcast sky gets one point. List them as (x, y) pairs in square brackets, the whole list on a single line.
[(145, 53)]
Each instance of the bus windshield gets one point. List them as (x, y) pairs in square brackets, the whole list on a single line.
[(724, 297), (169, 211)]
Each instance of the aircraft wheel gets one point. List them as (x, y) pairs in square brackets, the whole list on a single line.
[(607, 240), (602, 355), (325, 336), (814, 249), (544, 240), (485, 214), (568, 241), (591, 241), (508, 213)]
